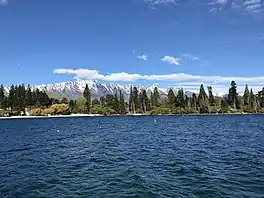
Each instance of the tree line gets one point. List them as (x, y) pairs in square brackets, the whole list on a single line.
[(176, 103), (21, 98), (106, 105)]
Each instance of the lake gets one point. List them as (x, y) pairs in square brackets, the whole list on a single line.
[(190, 156)]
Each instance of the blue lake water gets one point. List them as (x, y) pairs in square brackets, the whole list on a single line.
[(191, 156)]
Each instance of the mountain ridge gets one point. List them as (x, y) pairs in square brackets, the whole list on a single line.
[(74, 89)]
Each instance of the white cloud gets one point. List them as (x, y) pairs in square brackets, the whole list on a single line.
[(160, 2), (81, 73), (188, 82), (189, 56), (247, 5), (95, 75), (171, 60), (216, 5), (254, 7), (174, 77), (212, 9), (252, 2), (122, 77), (222, 2), (143, 57)]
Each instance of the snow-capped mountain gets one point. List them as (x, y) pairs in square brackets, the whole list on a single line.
[(74, 89)]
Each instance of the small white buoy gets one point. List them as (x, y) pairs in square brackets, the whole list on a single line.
[(58, 131), (155, 120)]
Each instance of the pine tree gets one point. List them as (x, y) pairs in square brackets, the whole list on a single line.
[(211, 96), (43, 99), (194, 102), (144, 101), (102, 101), (140, 101), (22, 98), (29, 97), (64, 101), (180, 99), (147, 100), (109, 100), (16, 98), (224, 105), (87, 96), (11, 97), (122, 103), (261, 97), (36, 97), (257, 102), (171, 99), (2, 98), (252, 102), (232, 95), (188, 104), (5, 103), (156, 97), (54, 101), (239, 102), (151, 100), (116, 106), (95, 102), (203, 100), (72, 105), (142, 107), (131, 99), (246, 96), (136, 101)]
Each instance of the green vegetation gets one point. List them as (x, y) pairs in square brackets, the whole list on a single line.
[(25, 101), (87, 96), (56, 109), (98, 109), (160, 111), (203, 103)]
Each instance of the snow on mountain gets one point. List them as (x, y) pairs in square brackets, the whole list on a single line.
[(74, 89)]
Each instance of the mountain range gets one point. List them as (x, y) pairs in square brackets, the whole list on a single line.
[(74, 89)]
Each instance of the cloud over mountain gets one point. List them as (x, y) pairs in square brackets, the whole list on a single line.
[(172, 77)]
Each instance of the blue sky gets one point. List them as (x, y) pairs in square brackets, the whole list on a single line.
[(169, 42)]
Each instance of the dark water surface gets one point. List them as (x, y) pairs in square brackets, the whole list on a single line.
[(191, 156)]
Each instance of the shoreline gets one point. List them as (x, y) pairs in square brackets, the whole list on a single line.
[(136, 115), (52, 116)]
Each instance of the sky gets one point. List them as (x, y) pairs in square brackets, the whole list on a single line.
[(168, 43)]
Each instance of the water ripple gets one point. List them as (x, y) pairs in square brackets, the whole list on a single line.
[(191, 156)]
